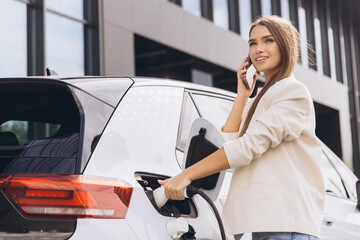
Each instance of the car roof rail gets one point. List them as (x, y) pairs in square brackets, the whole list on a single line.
[(51, 72)]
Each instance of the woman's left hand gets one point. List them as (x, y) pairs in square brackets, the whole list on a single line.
[(175, 186)]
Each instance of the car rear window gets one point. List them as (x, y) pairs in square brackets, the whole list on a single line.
[(39, 128)]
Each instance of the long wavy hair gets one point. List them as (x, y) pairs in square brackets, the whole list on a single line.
[(288, 39)]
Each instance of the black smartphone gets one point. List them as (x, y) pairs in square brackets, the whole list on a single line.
[(249, 75)]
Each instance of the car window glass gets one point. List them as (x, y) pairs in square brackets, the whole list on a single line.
[(214, 109), (346, 174), (39, 128), (96, 115), (333, 183), (25, 131), (188, 116)]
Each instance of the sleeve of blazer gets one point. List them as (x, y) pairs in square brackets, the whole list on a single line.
[(285, 119), (228, 136)]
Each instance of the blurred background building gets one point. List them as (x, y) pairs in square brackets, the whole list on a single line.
[(201, 41)]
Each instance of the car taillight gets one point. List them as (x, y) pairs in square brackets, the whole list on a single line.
[(68, 195), (3, 179)]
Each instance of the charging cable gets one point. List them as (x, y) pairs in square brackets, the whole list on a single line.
[(189, 192)]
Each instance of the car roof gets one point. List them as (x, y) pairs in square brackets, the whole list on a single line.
[(139, 80), (113, 85)]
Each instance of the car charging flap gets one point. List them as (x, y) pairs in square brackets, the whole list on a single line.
[(204, 139)]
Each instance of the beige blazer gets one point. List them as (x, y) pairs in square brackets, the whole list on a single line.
[(277, 184)]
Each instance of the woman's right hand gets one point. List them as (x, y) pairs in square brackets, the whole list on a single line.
[(241, 89), (175, 186)]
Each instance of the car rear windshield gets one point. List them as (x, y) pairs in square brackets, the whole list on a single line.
[(39, 128)]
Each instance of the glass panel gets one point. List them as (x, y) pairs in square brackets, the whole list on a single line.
[(214, 109), (285, 12), (266, 7), (303, 37), (245, 18), (317, 30), (39, 128), (96, 114), (333, 183), (335, 19), (221, 14), (13, 47), (21, 130), (64, 45), (189, 115), (192, 6), (73, 8), (331, 44)]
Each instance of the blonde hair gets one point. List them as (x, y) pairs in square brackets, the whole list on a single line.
[(288, 39)]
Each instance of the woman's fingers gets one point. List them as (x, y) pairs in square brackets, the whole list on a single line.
[(241, 72), (254, 82), (163, 182), (174, 187)]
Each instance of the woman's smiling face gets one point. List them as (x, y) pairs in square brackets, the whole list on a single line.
[(264, 51)]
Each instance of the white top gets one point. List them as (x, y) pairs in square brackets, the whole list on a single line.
[(277, 184)]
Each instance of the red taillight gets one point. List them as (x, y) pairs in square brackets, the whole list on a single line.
[(69, 195)]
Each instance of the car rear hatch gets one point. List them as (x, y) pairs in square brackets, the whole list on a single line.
[(48, 130)]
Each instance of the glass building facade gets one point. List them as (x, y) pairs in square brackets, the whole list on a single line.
[(61, 34)]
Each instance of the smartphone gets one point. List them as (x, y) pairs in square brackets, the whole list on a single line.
[(249, 75)]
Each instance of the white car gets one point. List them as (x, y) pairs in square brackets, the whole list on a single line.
[(80, 158)]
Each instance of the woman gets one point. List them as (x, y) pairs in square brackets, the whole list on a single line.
[(277, 189)]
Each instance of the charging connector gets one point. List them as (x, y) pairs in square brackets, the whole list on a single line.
[(189, 192)]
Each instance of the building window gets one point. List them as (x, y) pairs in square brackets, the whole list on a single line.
[(73, 8), (303, 35), (335, 28), (64, 45), (65, 36), (331, 42), (221, 15), (308, 6), (321, 9), (245, 18), (192, 6), (317, 31), (266, 7), (285, 13), (62, 34), (13, 46)]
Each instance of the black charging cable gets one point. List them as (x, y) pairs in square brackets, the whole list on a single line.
[(191, 191)]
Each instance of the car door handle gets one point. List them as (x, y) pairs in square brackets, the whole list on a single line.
[(328, 220)]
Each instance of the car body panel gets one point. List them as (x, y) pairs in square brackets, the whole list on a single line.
[(126, 145), (341, 219), (105, 229)]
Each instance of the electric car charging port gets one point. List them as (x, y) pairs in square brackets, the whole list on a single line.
[(172, 208)]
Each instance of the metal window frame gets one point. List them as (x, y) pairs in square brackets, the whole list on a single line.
[(276, 7), (310, 31), (234, 15), (255, 9), (294, 16), (333, 8), (321, 11), (91, 37), (206, 7), (35, 38), (177, 2)]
